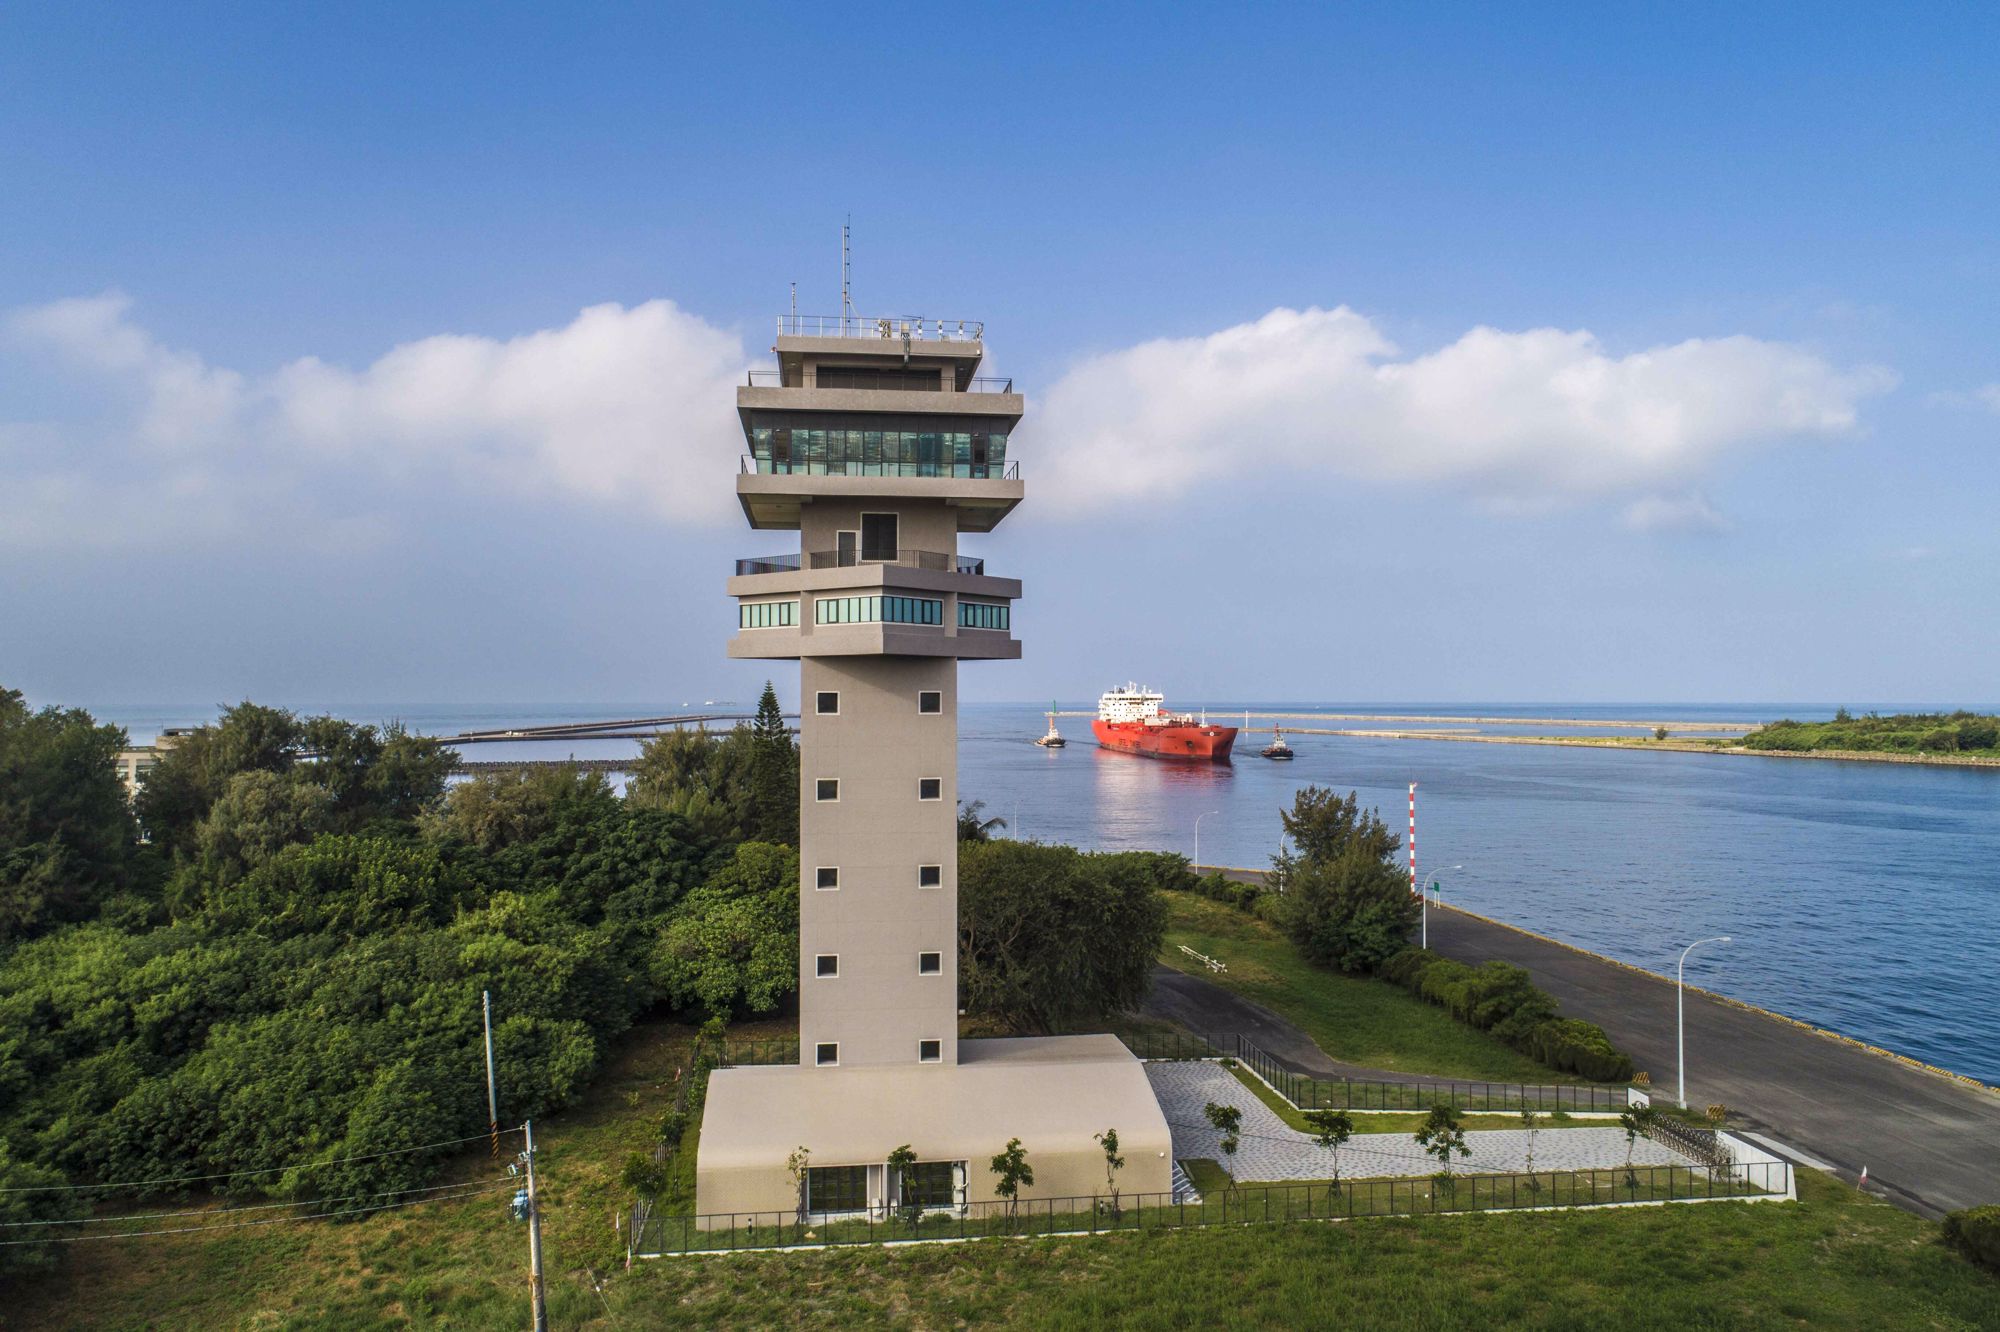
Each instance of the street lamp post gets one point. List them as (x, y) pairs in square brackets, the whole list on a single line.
[(1425, 896), (1680, 1014), (1197, 833)]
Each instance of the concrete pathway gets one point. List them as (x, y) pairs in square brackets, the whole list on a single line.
[(1271, 1150)]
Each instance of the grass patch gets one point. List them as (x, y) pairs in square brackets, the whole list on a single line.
[(1837, 1260), (1358, 1019)]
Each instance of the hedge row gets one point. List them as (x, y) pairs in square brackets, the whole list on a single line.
[(1976, 1230), (1501, 999)]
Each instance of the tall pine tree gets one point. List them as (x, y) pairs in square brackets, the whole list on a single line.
[(774, 774)]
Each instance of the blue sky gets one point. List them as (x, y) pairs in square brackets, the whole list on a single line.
[(298, 400)]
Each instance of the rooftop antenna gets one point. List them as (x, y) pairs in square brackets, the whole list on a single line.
[(795, 304), (846, 273)]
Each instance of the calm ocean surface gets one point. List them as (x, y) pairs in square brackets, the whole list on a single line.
[(1861, 897)]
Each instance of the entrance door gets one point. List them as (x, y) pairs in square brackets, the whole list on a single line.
[(844, 548)]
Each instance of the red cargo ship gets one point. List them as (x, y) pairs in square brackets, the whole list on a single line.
[(1130, 720)]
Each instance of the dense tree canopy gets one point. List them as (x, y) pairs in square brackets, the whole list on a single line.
[(306, 989), (1342, 897), (1049, 935), (67, 840)]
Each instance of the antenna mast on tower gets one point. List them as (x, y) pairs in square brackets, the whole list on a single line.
[(846, 275)]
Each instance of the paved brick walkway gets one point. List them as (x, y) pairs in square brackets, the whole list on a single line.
[(1273, 1150)]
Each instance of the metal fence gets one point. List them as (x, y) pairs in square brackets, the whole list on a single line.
[(1370, 1094), (784, 1050), (1310, 1093), (1702, 1144), (1251, 1204)]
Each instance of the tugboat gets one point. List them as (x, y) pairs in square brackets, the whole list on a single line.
[(1053, 740), (1277, 749)]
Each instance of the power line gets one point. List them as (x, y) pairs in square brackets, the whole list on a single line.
[(247, 1207), (237, 1174), (266, 1221)]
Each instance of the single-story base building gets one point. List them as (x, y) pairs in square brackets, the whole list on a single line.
[(1054, 1093)]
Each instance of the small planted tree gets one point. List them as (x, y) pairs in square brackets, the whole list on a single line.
[(1228, 1120), (1113, 1163), (1331, 1128), (1635, 1120), (1442, 1135), (1012, 1167), (798, 1163), (1531, 1121), (899, 1162)]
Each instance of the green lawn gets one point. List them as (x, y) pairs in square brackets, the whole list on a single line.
[(1838, 1260), (1354, 1018)]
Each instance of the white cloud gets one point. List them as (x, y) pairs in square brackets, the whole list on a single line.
[(1521, 419), (633, 408), (624, 407), (1674, 513), (1989, 397)]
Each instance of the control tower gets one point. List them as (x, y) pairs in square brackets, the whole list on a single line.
[(879, 444)]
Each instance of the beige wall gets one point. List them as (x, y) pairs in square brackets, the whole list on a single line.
[(876, 835), (1053, 1093)]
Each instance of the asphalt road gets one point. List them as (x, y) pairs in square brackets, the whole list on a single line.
[(1929, 1142)]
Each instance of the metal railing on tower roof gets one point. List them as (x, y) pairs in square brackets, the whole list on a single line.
[(919, 328)]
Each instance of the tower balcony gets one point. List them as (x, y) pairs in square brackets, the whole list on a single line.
[(773, 493), (921, 604)]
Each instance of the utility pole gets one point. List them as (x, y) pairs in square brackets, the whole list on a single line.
[(540, 1306), (492, 1096)]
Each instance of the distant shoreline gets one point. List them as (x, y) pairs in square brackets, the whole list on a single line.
[(1670, 746)]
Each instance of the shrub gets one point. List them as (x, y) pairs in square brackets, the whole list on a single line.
[(1982, 733), (1219, 887), (1976, 1231), (1582, 1048), (1504, 1000)]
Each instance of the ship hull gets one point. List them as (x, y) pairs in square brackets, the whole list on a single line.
[(1191, 743)]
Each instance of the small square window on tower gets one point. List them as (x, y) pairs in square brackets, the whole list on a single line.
[(826, 788), (930, 964), (930, 701), (826, 703), (930, 1052), (930, 876), (827, 878), (826, 1054), (930, 788), (826, 966)]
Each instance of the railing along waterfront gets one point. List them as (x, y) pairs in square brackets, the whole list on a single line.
[(1247, 1204), (752, 465), (918, 327), (1310, 1093), (977, 384)]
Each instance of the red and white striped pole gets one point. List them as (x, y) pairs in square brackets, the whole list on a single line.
[(1413, 837)]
